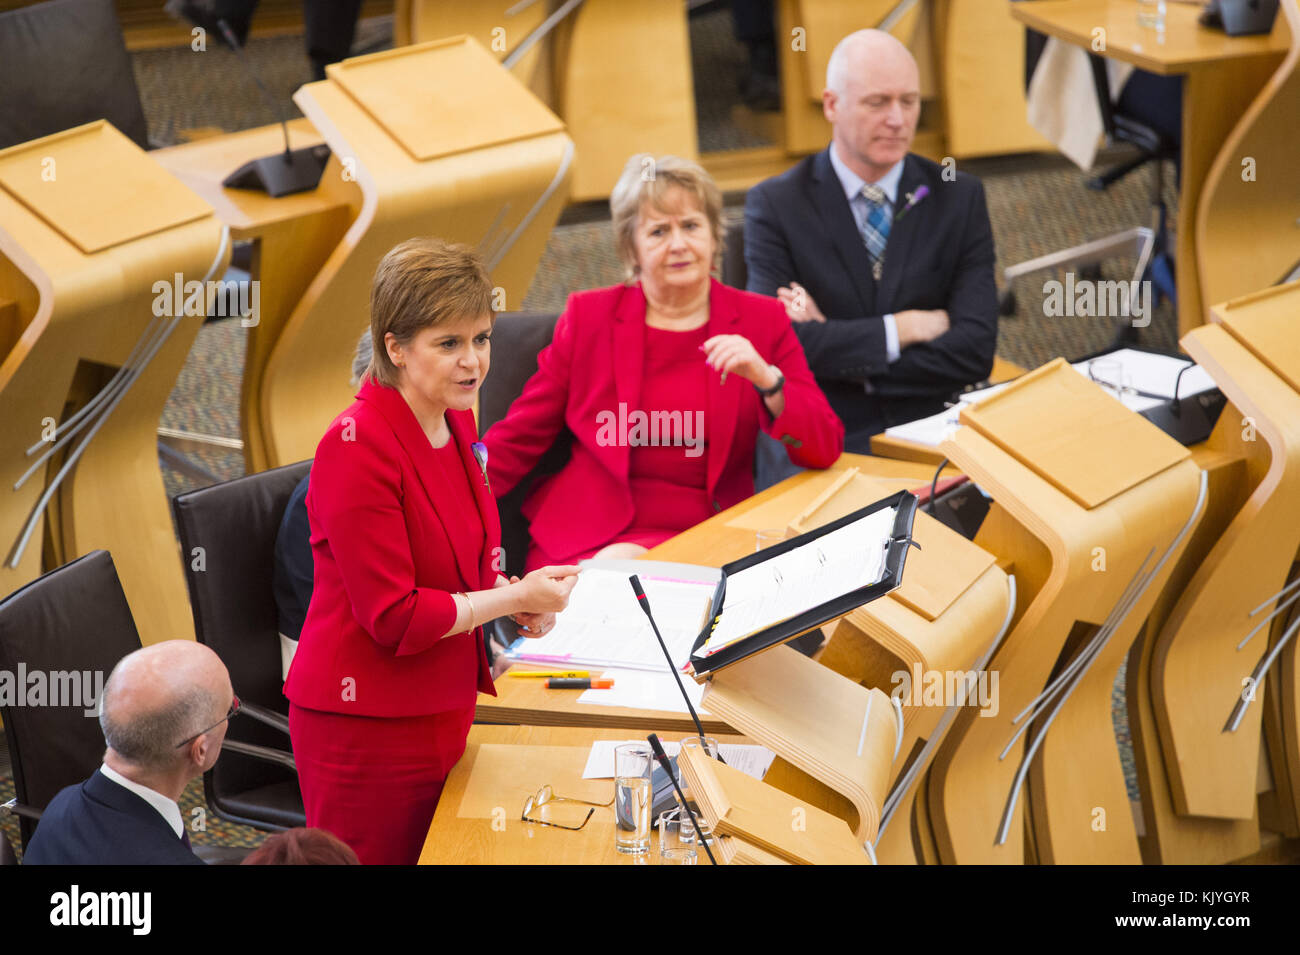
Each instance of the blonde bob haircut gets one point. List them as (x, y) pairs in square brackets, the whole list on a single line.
[(419, 284), (647, 179)]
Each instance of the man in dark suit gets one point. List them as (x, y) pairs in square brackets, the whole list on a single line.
[(883, 259), (162, 716)]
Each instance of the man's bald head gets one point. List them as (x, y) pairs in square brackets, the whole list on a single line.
[(867, 54), (872, 101), (160, 695)]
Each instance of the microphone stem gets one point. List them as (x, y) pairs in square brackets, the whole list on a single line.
[(672, 778), (266, 94), (645, 605)]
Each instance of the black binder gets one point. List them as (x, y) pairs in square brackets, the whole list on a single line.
[(900, 540)]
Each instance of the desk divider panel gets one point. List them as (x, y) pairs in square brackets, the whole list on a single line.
[(841, 735), (1049, 418), (1045, 448), (90, 222), (1202, 745)]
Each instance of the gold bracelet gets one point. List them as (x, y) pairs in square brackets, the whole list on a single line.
[(470, 628)]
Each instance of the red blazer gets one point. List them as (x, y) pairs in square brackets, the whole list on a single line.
[(385, 569), (595, 361)]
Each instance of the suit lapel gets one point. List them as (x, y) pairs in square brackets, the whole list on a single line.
[(390, 403), (463, 433), (724, 400), (902, 233), (840, 227)]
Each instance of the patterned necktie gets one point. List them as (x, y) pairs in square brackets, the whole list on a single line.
[(876, 229)]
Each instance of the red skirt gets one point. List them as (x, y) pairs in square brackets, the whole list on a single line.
[(375, 781)]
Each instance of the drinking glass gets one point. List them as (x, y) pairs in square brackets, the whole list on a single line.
[(1151, 14), (676, 838), (1109, 373), (709, 745), (633, 764), (766, 538)]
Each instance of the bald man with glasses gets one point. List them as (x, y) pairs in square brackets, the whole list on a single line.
[(162, 717)]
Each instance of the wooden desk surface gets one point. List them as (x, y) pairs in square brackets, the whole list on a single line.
[(478, 819), (203, 164), (722, 538), (1187, 45)]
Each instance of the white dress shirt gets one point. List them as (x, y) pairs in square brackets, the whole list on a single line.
[(167, 808), (858, 205)]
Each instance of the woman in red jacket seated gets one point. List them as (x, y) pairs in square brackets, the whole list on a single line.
[(665, 382), (406, 545)]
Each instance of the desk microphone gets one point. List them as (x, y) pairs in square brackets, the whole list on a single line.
[(660, 755), (1175, 406), (294, 170), (635, 581)]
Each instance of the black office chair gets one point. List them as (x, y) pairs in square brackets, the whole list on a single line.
[(227, 535), (74, 619), (77, 619), (1148, 117), (64, 63), (734, 271), (517, 337)]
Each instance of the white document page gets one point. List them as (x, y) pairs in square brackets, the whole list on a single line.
[(647, 690), (806, 577), (604, 625), (751, 760), (1156, 374)]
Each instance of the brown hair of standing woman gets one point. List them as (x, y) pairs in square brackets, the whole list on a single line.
[(302, 847), (421, 283)]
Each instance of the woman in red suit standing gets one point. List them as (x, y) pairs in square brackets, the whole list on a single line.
[(406, 545), (665, 382)]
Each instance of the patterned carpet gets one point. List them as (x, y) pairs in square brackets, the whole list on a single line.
[(1037, 205)]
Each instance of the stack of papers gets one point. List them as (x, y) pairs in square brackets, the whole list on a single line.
[(815, 573), (604, 625), (1148, 381)]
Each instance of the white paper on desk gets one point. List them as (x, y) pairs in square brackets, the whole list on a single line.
[(644, 690), (1143, 371), (604, 625), (938, 428), (751, 760), (1155, 374), (808, 576)]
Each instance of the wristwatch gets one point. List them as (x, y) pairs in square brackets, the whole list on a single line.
[(780, 383)]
